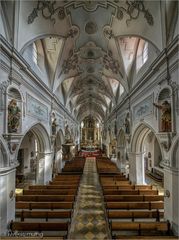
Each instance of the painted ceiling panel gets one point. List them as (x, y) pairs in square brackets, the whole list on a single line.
[(90, 62)]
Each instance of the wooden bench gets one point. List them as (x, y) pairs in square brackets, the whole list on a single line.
[(140, 226), (39, 226), (118, 183), (44, 205), (46, 198), (64, 183), (66, 180), (59, 187), (130, 192), (69, 177), (42, 214), (135, 214), (135, 205), (133, 198), (128, 187), (49, 192)]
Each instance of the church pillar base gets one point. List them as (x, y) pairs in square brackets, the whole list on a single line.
[(171, 200), (136, 168), (7, 198)]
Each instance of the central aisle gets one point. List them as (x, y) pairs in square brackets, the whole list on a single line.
[(89, 221)]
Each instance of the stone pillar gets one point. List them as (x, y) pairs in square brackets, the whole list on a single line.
[(48, 167), (7, 198), (136, 168), (121, 158), (171, 200)]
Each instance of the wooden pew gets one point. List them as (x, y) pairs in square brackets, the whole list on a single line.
[(133, 198), (44, 205), (45, 198), (130, 192), (49, 192), (135, 205), (64, 183), (68, 177), (59, 187), (141, 227), (135, 214), (122, 187), (115, 183), (39, 226), (43, 214)]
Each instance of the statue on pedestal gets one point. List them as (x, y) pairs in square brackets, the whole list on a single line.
[(54, 126), (13, 116), (67, 135), (165, 123)]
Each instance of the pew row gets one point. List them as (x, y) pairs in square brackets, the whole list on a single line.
[(135, 214), (45, 198), (141, 227), (44, 205), (133, 198), (60, 227), (135, 205), (43, 214)]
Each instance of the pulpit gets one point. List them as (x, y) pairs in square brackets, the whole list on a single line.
[(68, 151)]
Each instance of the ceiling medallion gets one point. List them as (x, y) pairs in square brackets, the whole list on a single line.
[(91, 28), (47, 9), (133, 10)]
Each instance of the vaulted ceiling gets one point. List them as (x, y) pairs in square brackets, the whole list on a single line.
[(87, 49)]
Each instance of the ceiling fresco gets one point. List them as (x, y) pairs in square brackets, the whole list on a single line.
[(89, 48)]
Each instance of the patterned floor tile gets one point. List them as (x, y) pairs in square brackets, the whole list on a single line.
[(89, 220)]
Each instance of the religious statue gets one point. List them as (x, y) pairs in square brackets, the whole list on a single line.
[(54, 126), (13, 116), (127, 124), (165, 108), (67, 135)]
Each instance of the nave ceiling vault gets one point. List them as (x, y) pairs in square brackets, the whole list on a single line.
[(89, 48)]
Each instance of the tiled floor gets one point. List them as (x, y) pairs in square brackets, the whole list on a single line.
[(89, 220)]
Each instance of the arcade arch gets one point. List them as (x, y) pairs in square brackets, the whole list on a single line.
[(34, 156), (146, 154)]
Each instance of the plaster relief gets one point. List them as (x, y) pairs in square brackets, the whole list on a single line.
[(36, 109), (144, 108)]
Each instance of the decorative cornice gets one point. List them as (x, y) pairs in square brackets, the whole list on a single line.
[(71, 63), (47, 8), (133, 10), (110, 63)]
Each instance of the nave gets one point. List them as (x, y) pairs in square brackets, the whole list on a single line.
[(90, 199)]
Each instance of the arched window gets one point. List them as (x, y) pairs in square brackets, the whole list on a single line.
[(142, 54), (34, 54), (145, 53)]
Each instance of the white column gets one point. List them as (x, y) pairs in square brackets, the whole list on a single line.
[(7, 198), (136, 168), (120, 161), (171, 200)]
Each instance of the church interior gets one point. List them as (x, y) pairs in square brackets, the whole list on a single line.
[(89, 119)]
